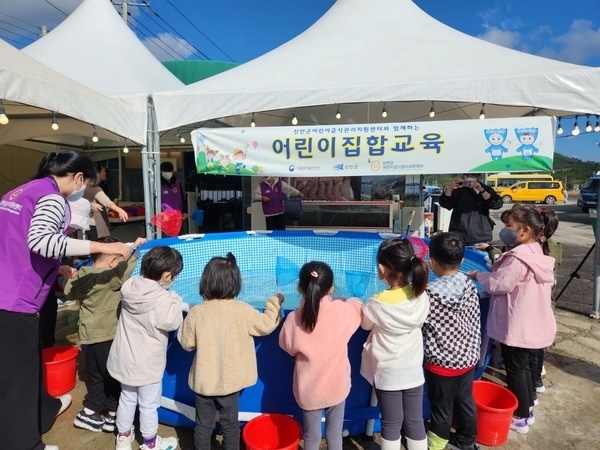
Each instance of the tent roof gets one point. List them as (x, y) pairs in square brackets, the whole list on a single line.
[(32, 91), (95, 47), (360, 54)]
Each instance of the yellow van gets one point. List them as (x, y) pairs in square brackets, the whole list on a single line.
[(500, 181), (548, 192)]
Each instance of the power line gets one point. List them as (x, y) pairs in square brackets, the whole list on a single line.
[(197, 29), (16, 34), (16, 18), (156, 39), (174, 30), (163, 28), (18, 27), (56, 7)]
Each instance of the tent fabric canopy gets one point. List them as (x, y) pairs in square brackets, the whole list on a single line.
[(95, 47), (359, 55), (32, 91)]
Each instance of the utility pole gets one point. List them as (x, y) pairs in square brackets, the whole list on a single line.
[(124, 5)]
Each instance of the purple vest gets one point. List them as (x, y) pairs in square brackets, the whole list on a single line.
[(275, 204), (27, 276), (171, 195)]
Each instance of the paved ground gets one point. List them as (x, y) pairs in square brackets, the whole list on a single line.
[(569, 410)]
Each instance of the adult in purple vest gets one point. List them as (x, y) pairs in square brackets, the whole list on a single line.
[(271, 192), (171, 191), (34, 219)]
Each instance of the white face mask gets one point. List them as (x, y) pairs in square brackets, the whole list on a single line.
[(77, 194), (167, 175)]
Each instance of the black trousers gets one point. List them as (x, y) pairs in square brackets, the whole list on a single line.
[(518, 377), (206, 408), (536, 362), (27, 410), (275, 222), (449, 396), (103, 391), (48, 314)]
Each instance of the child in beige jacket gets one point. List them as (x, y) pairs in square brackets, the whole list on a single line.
[(221, 330)]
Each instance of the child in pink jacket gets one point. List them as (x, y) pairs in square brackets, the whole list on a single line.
[(317, 335), (520, 316)]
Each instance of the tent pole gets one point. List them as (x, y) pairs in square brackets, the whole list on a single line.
[(120, 194), (150, 157)]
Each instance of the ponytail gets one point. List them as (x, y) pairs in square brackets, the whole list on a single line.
[(420, 275), (314, 283)]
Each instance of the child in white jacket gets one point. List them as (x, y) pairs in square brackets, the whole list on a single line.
[(392, 357), (138, 356)]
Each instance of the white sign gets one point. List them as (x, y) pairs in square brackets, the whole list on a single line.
[(455, 146)]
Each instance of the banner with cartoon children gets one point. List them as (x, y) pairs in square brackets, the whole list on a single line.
[(455, 146)]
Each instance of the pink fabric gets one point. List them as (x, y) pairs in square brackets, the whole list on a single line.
[(322, 370), (520, 285)]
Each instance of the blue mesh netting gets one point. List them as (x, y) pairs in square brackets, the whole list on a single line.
[(270, 262)]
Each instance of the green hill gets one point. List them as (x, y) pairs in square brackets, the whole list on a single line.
[(571, 171)]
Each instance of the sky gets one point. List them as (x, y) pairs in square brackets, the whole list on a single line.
[(240, 30)]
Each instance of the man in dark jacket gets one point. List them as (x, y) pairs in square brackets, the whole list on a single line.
[(470, 202)]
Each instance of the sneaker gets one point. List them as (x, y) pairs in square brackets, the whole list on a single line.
[(531, 418), (92, 422), (109, 423), (535, 400), (169, 443), (453, 444), (51, 447), (539, 387), (123, 441), (65, 402), (63, 303), (519, 425)]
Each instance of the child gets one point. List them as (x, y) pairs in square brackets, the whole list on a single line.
[(317, 335), (221, 330), (520, 315), (138, 354), (552, 248), (392, 358), (452, 346), (98, 287)]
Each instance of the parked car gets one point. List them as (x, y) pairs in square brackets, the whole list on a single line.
[(548, 192), (434, 190), (588, 194)]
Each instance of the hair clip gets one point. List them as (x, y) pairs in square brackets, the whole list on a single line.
[(412, 258), (314, 274)]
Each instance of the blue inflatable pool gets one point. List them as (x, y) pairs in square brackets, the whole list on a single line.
[(269, 262)]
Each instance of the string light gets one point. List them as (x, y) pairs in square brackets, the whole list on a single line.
[(125, 148), (482, 112), (54, 121), (94, 135), (559, 129), (384, 111), (181, 138), (432, 111), (3, 116), (588, 125), (294, 119), (597, 127), (575, 131), (338, 114), (253, 123)]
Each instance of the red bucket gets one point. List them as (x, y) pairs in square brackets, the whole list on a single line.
[(61, 369), (272, 432), (495, 408)]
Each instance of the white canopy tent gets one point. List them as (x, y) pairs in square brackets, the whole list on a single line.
[(362, 54), (32, 91), (96, 47)]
